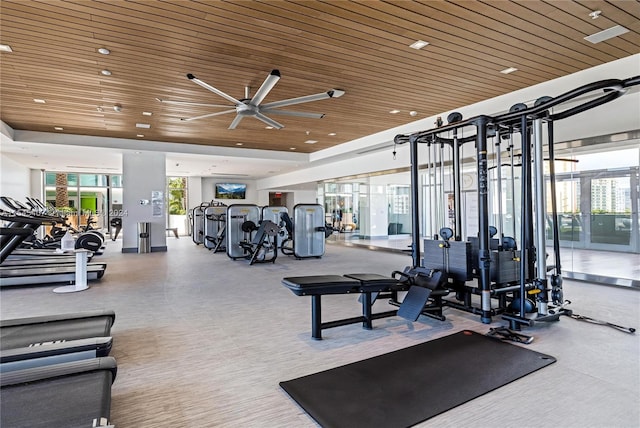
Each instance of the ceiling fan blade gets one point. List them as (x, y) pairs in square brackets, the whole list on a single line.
[(187, 103), (266, 87), (333, 93), (268, 121), (207, 86), (235, 122), (293, 113), (208, 115)]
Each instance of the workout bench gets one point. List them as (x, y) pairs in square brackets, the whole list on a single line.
[(424, 297), (371, 286)]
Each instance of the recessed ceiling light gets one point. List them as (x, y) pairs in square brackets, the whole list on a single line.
[(311, 141), (100, 109), (394, 111), (137, 153), (146, 113), (607, 34), (413, 113), (58, 128), (5, 48), (239, 144), (508, 70), (143, 125), (104, 51), (268, 127), (419, 44), (105, 72), (595, 14), (39, 101), (140, 135), (332, 134), (292, 148)]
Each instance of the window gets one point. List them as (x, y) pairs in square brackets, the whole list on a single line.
[(177, 195)]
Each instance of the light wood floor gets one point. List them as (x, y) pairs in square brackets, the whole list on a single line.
[(202, 341)]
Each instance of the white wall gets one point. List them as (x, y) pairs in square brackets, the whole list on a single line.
[(143, 173), (293, 197), (15, 179), (305, 197), (36, 185), (194, 191), (209, 191)]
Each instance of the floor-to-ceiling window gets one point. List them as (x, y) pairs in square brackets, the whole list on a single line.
[(341, 202), (177, 203), (83, 198), (597, 196)]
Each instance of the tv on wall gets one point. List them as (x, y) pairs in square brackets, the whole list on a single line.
[(231, 191)]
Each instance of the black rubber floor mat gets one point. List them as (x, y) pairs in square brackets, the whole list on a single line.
[(411, 385)]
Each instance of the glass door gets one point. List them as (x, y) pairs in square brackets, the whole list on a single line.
[(610, 214), (399, 209)]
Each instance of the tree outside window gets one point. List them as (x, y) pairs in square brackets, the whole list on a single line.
[(177, 191)]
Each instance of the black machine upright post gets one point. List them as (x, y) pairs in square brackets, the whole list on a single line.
[(415, 207), (457, 196), (525, 195), (499, 225), (540, 219), (556, 277), (484, 254)]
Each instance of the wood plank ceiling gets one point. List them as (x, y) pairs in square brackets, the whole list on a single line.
[(359, 46)]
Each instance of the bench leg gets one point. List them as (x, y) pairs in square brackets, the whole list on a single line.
[(316, 317), (366, 311)]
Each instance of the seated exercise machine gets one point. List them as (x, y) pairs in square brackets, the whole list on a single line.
[(116, 223), (215, 219), (235, 233), (306, 233), (274, 213), (263, 245)]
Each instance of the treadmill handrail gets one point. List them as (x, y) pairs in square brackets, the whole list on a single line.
[(47, 349), (58, 370), (58, 317)]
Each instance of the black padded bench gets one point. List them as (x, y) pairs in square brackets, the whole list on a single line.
[(370, 286)]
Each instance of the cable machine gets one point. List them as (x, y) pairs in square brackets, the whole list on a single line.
[(510, 276)]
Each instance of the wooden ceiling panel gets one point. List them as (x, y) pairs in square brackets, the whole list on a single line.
[(359, 46)]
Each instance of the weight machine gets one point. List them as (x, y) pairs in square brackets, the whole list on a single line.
[(490, 274)]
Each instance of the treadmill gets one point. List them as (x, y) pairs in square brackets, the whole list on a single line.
[(46, 274), (20, 332), (30, 261), (75, 394), (13, 236), (45, 340)]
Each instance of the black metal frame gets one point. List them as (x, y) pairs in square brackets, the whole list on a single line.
[(520, 119)]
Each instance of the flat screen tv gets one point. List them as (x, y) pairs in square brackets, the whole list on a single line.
[(231, 191)]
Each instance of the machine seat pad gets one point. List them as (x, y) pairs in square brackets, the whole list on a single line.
[(321, 284), (374, 282)]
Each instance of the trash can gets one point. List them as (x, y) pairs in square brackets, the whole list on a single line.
[(144, 237)]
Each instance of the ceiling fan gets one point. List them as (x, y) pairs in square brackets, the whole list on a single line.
[(253, 106)]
